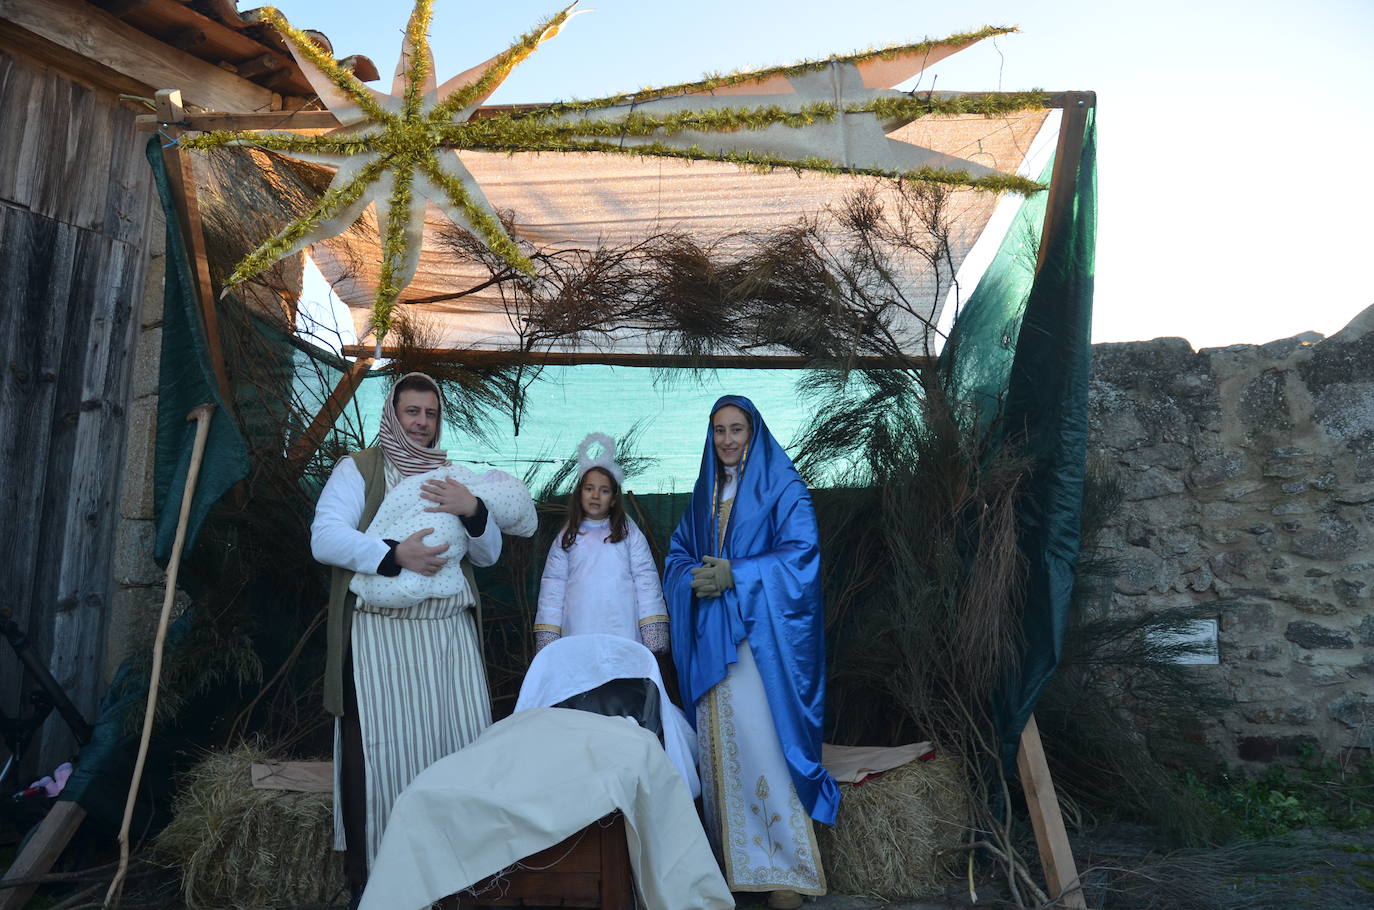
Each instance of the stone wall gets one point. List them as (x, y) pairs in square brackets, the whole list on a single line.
[(1248, 474)]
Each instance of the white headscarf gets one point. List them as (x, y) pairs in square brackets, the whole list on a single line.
[(402, 451)]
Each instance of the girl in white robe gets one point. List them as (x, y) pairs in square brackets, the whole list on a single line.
[(600, 576)]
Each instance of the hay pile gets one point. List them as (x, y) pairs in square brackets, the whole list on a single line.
[(246, 849), (890, 829)]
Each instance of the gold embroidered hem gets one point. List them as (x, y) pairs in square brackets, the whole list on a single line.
[(762, 835)]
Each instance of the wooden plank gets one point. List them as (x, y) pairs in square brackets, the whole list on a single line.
[(310, 441), (35, 253), (181, 179), (96, 35), (1063, 179), (168, 19), (1056, 857), (486, 358), (48, 841), (110, 275), (265, 120)]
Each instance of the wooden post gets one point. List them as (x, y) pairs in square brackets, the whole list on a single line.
[(181, 179), (49, 839), (1064, 177), (1061, 872), (1056, 856), (310, 440)]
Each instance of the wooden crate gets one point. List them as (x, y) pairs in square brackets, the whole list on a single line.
[(589, 869)]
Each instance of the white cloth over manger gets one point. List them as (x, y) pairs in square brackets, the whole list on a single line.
[(580, 663), (531, 781)]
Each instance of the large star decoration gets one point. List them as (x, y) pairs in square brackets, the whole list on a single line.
[(401, 150)]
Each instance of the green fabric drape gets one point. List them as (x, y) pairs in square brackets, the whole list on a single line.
[(1021, 352), (186, 381)]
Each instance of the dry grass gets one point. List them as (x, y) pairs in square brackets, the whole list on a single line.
[(891, 830), (246, 849)]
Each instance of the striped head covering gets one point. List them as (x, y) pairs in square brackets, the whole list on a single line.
[(408, 457)]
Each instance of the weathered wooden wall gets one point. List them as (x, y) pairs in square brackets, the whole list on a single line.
[(75, 196)]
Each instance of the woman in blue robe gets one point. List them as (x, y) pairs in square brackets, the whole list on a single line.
[(742, 580)]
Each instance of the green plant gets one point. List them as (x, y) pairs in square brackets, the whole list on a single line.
[(1318, 792)]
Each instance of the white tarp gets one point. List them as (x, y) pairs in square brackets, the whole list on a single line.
[(529, 782)]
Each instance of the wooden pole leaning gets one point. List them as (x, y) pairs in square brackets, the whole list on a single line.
[(1056, 855), (181, 179), (201, 416)]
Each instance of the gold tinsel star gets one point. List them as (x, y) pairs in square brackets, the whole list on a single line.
[(400, 150)]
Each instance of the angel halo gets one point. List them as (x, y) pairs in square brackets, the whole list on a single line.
[(603, 459)]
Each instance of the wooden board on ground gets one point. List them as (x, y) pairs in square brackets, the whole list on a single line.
[(42, 850)]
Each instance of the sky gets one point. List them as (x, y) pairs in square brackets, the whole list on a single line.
[(1233, 137)]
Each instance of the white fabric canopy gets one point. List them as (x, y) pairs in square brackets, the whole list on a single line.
[(579, 663), (529, 782), (582, 200)]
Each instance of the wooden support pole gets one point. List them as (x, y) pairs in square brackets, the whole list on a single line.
[(1064, 177), (49, 839), (496, 358), (202, 415), (1056, 856), (310, 441), (181, 179), (1061, 872)]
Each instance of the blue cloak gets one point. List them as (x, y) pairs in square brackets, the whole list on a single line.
[(774, 551)]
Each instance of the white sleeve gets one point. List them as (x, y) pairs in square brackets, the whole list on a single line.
[(334, 536), (648, 586), (552, 586), (485, 549)]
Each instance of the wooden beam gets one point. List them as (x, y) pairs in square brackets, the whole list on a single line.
[(119, 47), (310, 441), (182, 181), (1056, 857), (49, 839), (266, 120), (488, 358), (1064, 177), (325, 120)]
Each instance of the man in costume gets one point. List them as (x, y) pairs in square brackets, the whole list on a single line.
[(407, 686), (742, 580)]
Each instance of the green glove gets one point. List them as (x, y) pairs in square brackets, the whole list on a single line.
[(713, 578)]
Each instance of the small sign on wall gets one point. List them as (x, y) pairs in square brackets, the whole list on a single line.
[(1199, 637)]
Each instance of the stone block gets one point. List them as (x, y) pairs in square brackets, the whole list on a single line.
[(1216, 470), (1355, 710), (1140, 570), (1310, 635), (1151, 483), (147, 362), (1234, 564), (1264, 403), (1366, 631), (1350, 591), (1244, 618), (1237, 490), (1332, 538), (1312, 606), (1292, 507), (1292, 715), (1260, 653), (136, 495), (133, 554)]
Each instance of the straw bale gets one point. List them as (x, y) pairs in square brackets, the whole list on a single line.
[(246, 849), (890, 829)]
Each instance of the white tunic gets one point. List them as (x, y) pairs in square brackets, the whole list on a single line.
[(418, 673), (598, 587)]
